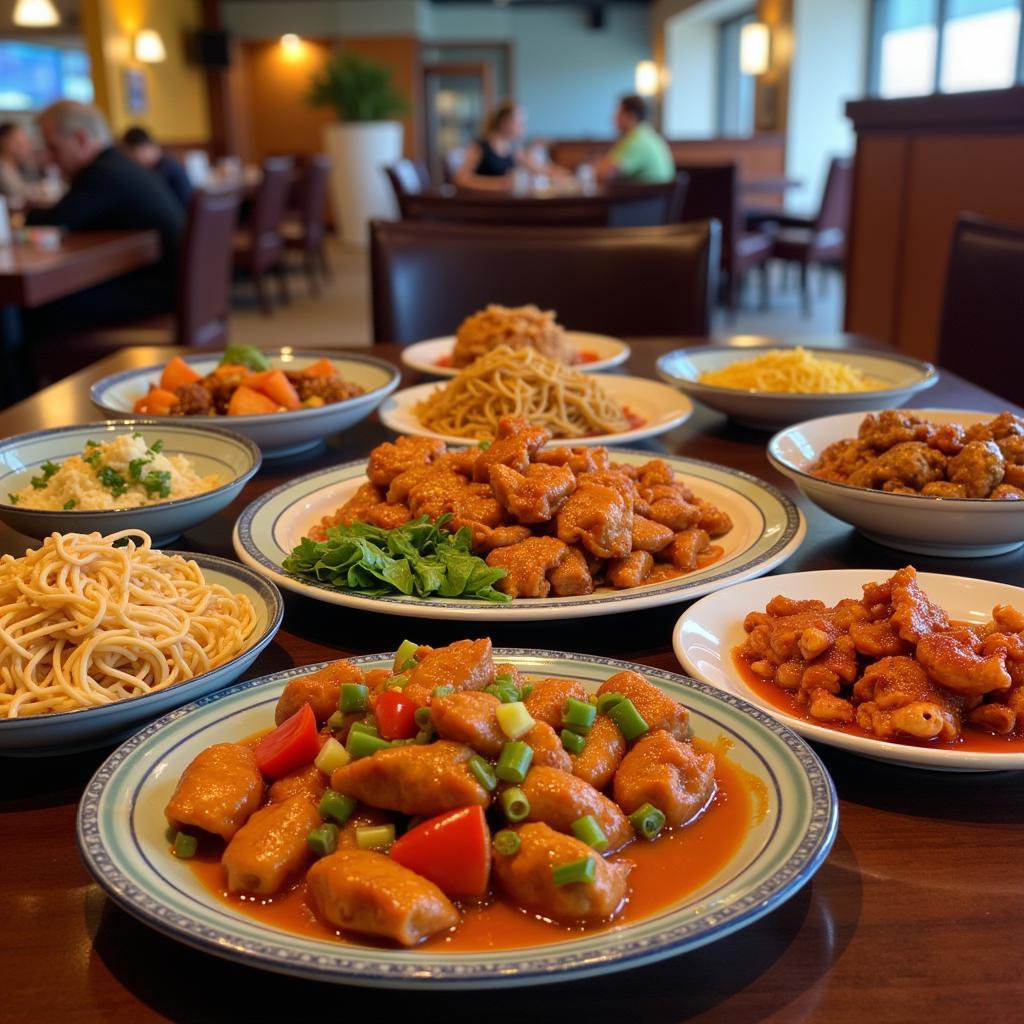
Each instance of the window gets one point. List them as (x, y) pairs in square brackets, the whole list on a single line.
[(33, 75), (924, 46), (735, 89)]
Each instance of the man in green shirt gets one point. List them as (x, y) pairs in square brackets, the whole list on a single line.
[(641, 155)]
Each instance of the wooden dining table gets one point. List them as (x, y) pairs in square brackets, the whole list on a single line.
[(915, 915)]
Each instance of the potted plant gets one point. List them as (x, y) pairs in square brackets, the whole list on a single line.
[(366, 139)]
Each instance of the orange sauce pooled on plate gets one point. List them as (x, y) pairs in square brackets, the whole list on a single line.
[(665, 872)]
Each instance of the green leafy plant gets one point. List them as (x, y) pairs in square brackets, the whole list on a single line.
[(358, 88)]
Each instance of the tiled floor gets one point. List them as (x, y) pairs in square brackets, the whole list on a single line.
[(340, 316)]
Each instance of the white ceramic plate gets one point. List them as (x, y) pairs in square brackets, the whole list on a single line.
[(432, 356), (121, 836), (947, 527), (277, 434), (767, 529), (662, 407), (704, 638), (68, 731), (765, 410), (233, 458)]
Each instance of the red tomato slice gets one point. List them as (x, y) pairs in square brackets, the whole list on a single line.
[(452, 850), (396, 716), (292, 744)]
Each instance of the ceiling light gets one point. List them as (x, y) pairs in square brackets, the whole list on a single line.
[(647, 78), (149, 47), (35, 14), (755, 48), (291, 46)]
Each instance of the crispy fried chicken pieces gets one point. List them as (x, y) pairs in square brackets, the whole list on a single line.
[(892, 662)]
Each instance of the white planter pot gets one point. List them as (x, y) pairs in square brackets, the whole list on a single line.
[(360, 190)]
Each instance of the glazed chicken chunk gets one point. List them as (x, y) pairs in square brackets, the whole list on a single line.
[(534, 496), (599, 518), (656, 708), (320, 690)]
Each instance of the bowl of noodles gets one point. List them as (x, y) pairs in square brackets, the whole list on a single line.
[(103, 633), (768, 387)]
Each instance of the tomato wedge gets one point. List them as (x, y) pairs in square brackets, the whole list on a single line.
[(396, 716), (452, 850), (292, 744)]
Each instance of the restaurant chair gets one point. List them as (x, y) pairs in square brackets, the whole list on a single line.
[(452, 162), (983, 309), (634, 206), (427, 278), (259, 247), (407, 177), (307, 231), (711, 193)]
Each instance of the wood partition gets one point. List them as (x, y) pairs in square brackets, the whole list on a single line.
[(919, 163)]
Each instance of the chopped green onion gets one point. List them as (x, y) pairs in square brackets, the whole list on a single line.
[(337, 807), (157, 446), (12, 498), (628, 719), (515, 804), (69, 504), (507, 843), (336, 722), (406, 650), (484, 445), (398, 682), (353, 697), (587, 830), (483, 773), (514, 761), (505, 679), (185, 846), (92, 444), (408, 665), (157, 481), (48, 468), (506, 694), (368, 727), (332, 756), (375, 837), (443, 691), (607, 701), (526, 691), (513, 719), (582, 870), (573, 741), (323, 840), (423, 718), (423, 737), (362, 744), (578, 715), (648, 821)]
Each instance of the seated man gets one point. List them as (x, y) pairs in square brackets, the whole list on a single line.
[(146, 151), (107, 192), (641, 155)]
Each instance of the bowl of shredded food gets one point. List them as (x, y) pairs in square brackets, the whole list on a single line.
[(101, 633), (768, 387)]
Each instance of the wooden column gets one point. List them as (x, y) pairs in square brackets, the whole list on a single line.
[(771, 98), (223, 133)]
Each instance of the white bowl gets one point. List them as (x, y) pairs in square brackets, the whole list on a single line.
[(233, 458), (282, 433), (947, 527), (767, 410)]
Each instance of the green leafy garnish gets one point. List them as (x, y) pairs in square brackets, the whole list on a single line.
[(245, 355), (12, 498), (94, 457), (112, 480), (135, 468), (136, 435), (158, 481), (92, 444), (484, 445), (69, 504), (419, 558), (48, 468)]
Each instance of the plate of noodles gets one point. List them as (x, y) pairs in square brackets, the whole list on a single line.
[(586, 409), (103, 633), (767, 387)]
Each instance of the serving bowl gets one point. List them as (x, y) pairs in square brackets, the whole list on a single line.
[(947, 527), (277, 434), (768, 410), (235, 459)]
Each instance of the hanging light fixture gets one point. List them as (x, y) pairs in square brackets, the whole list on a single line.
[(292, 46), (35, 14), (755, 48), (647, 78), (149, 47)]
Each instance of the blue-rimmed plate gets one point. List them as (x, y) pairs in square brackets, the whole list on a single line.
[(122, 839), (65, 732), (767, 529)]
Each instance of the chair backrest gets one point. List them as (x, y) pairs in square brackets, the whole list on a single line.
[(406, 180), (204, 271), (312, 204), (427, 278), (268, 208), (452, 162), (522, 211), (834, 213), (636, 206), (983, 309), (711, 194)]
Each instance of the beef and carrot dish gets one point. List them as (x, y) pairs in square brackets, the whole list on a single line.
[(905, 454), (451, 797), (244, 384), (539, 521), (892, 665)]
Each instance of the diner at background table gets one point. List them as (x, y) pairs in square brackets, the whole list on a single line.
[(915, 913)]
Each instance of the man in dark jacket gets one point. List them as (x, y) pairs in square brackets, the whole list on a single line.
[(107, 192), (146, 151)]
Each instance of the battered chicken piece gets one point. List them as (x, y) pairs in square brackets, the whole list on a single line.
[(951, 659), (320, 690), (631, 571), (307, 781), (386, 516), (649, 535), (980, 467), (548, 751), (270, 848), (463, 665), (528, 564), (526, 877), (671, 775), (547, 697), (367, 496), (389, 460), (367, 892), (944, 489), (515, 442), (537, 495), (603, 751), (600, 519), (715, 522), (559, 798), (892, 427), (218, 791), (657, 709), (825, 706), (612, 477), (686, 547), (469, 717), (675, 513), (897, 698), (571, 577), (878, 639), (485, 539), (1007, 492), (413, 779), (913, 614), (579, 460), (912, 464)]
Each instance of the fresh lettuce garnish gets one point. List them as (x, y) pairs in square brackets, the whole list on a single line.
[(418, 559), (245, 355)]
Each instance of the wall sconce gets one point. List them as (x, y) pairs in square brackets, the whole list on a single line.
[(647, 78), (291, 46), (35, 14), (149, 47), (755, 48)]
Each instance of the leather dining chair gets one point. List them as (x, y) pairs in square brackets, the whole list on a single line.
[(982, 325), (307, 232), (451, 163), (426, 278), (259, 246), (407, 177)]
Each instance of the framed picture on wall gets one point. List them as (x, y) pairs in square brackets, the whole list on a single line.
[(136, 100)]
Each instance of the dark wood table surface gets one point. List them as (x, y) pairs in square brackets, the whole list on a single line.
[(916, 914)]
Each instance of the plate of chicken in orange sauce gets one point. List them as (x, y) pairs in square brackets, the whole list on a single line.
[(919, 669), (458, 817), (575, 531)]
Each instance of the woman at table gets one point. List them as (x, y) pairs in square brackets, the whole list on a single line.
[(490, 161), (19, 166)]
